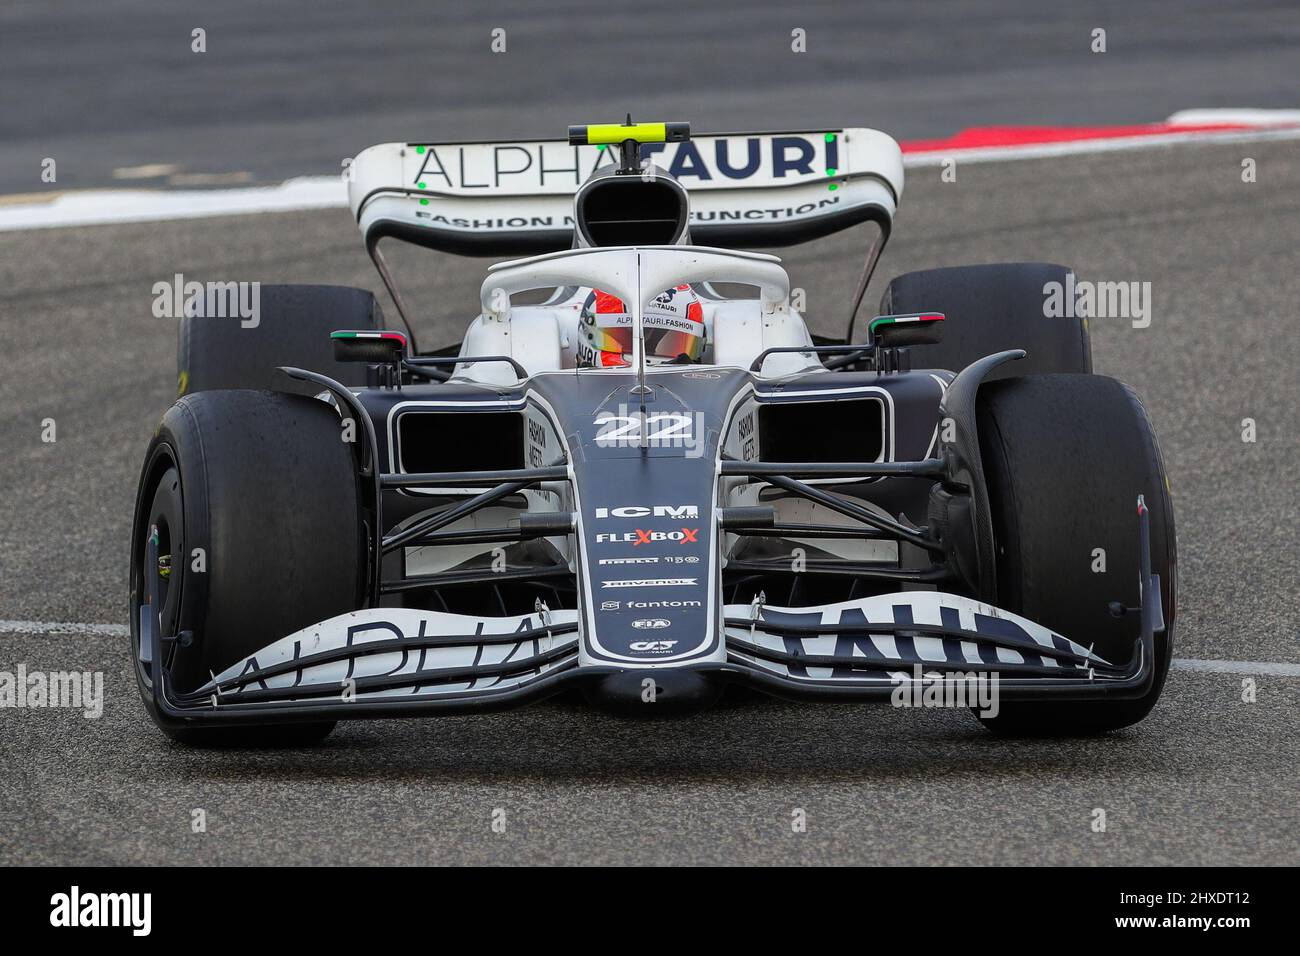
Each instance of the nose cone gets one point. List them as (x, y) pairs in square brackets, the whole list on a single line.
[(646, 490)]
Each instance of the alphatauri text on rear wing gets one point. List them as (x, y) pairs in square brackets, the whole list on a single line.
[(516, 197)]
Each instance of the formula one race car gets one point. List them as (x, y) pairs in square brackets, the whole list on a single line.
[(638, 487)]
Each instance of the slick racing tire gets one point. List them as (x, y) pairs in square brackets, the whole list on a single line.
[(1065, 459), (255, 503), (292, 326), (991, 308)]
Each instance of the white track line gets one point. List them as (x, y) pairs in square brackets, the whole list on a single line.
[(58, 628), (1271, 668), (1245, 117), (100, 206)]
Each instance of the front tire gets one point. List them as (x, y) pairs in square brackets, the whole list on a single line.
[(1065, 458), (254, 499)]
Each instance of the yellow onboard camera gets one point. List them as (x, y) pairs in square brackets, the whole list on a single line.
[(628, 136)]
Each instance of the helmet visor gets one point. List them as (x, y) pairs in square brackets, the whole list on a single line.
[(659, 343), (612, 339), (671, 344)]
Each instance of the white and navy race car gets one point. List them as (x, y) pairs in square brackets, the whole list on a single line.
[(637, 487)]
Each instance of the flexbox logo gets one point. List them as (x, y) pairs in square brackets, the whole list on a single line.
[(75, 909), (641, 536), (215, 300)]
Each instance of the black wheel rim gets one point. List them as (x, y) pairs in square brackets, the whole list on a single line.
[(159, 583)]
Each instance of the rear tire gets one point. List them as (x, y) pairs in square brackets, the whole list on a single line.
[(262, 483), (991, 308), (1065, 458), (293, 326)]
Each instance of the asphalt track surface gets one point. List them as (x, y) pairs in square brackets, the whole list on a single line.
[(290, 88), (1207, 778)]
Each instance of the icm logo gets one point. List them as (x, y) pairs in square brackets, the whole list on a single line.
[(74, 908), (657, 511), (651, 623), (653, 647)]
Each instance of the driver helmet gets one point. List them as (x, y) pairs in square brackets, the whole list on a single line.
[(674, 329)]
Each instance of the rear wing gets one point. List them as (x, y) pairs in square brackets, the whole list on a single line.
[(747, 190)]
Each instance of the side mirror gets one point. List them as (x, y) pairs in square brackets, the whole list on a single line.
[(383, 348), (896, 331)]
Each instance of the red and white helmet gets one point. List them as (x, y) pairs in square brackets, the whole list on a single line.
[(674, 327)]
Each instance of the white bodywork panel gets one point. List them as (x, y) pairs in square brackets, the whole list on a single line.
[(925, 607), (544, 338), (358, 628)]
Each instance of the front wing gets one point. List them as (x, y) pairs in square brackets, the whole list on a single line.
[(398, 661)]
